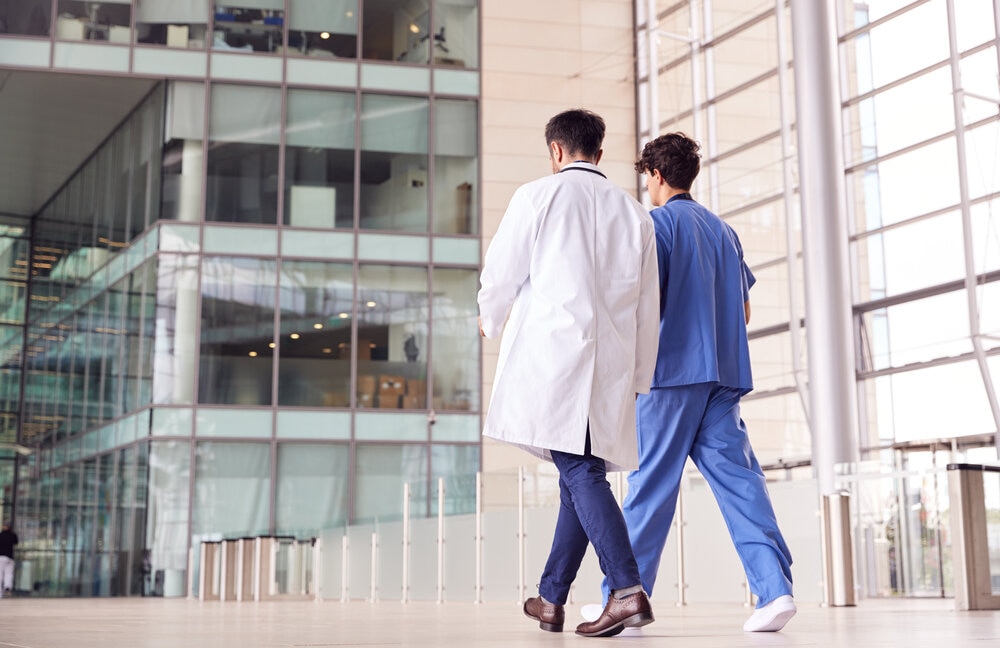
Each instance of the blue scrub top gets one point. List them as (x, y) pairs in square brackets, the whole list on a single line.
[(703, 285)]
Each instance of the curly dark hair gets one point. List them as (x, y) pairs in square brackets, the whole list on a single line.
[(675, 156), (578, 131)]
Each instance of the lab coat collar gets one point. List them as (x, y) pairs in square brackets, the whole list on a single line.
[(580, 165)]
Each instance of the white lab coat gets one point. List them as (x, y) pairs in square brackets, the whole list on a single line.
[(572, 273)]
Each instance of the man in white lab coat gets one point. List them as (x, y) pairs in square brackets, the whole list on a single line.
[(571, 281)]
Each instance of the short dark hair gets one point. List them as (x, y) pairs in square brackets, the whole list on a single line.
[(578, 131), (675, 156)]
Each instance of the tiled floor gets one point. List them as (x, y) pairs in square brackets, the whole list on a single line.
[(176, 623)]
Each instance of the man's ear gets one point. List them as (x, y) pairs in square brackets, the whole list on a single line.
[(556, 152)]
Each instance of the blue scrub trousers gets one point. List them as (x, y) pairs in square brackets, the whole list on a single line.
[(587, 511), (703, 421)]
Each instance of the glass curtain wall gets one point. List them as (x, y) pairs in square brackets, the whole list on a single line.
[(922, 180), (261, 286)]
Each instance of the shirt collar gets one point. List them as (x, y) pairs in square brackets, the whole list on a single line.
[(682, 196)]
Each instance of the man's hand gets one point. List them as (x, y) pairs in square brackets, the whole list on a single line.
[(481, 331)]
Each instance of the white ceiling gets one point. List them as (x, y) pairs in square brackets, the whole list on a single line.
[(49, 124)]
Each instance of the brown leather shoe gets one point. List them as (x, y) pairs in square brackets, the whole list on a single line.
[(632, 611), (549, 615)]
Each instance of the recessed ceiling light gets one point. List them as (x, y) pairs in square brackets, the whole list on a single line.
[(294, 336), (324, 35), (370, 304), (317, 326), (252, 354), (344, 315)]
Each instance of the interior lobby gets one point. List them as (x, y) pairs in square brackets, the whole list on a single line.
[(241, 384)]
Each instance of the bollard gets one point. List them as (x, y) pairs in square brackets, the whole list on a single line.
[(838, 557)]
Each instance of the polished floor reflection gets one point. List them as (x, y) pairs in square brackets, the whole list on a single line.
[(173, 623)]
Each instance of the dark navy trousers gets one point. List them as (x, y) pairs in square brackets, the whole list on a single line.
[(588, 512)]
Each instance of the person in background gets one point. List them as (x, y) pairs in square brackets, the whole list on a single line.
[(570, 280), (702, 372), (8, 540)]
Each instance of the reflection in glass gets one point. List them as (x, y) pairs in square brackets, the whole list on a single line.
[(456, 152), (249, 25), (237, 327), (392, 313), (174, 23), (319, 159), (166, 525), (243, 154), (380, 472), (323, 28), (183, 152), (312, 488), (456, 340), (14, 252), (394, 163), (176, 326), (315, 364)]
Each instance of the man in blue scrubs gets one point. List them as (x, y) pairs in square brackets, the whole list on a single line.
[(702, 371)]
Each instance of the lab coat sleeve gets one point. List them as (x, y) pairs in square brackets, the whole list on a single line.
[(648, 314), (507, 264)]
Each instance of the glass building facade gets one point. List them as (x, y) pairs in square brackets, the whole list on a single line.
[(252, 309), (921, 149)]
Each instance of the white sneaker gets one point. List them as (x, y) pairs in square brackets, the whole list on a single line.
[(772, 617), (591, 612)]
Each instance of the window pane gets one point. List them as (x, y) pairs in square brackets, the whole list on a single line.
[(181, 196), (745, 56), (455, 167), (323, 28), (167, 528), (315, 364), (237, 326), (319, 159), (243, 158), (380, 473), (395, 31), (457, 465), (778, 427), (902, 187), (249, 25), (312, 489), (30, 17), (176, 326), (232, 490), (892, 44), (880, 124), (456, 33), (899, 403), (749, 176), (99, 21), (896, 261), (392, 335), (394, 163), (174, 23), (456, 341), (915, 332)]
